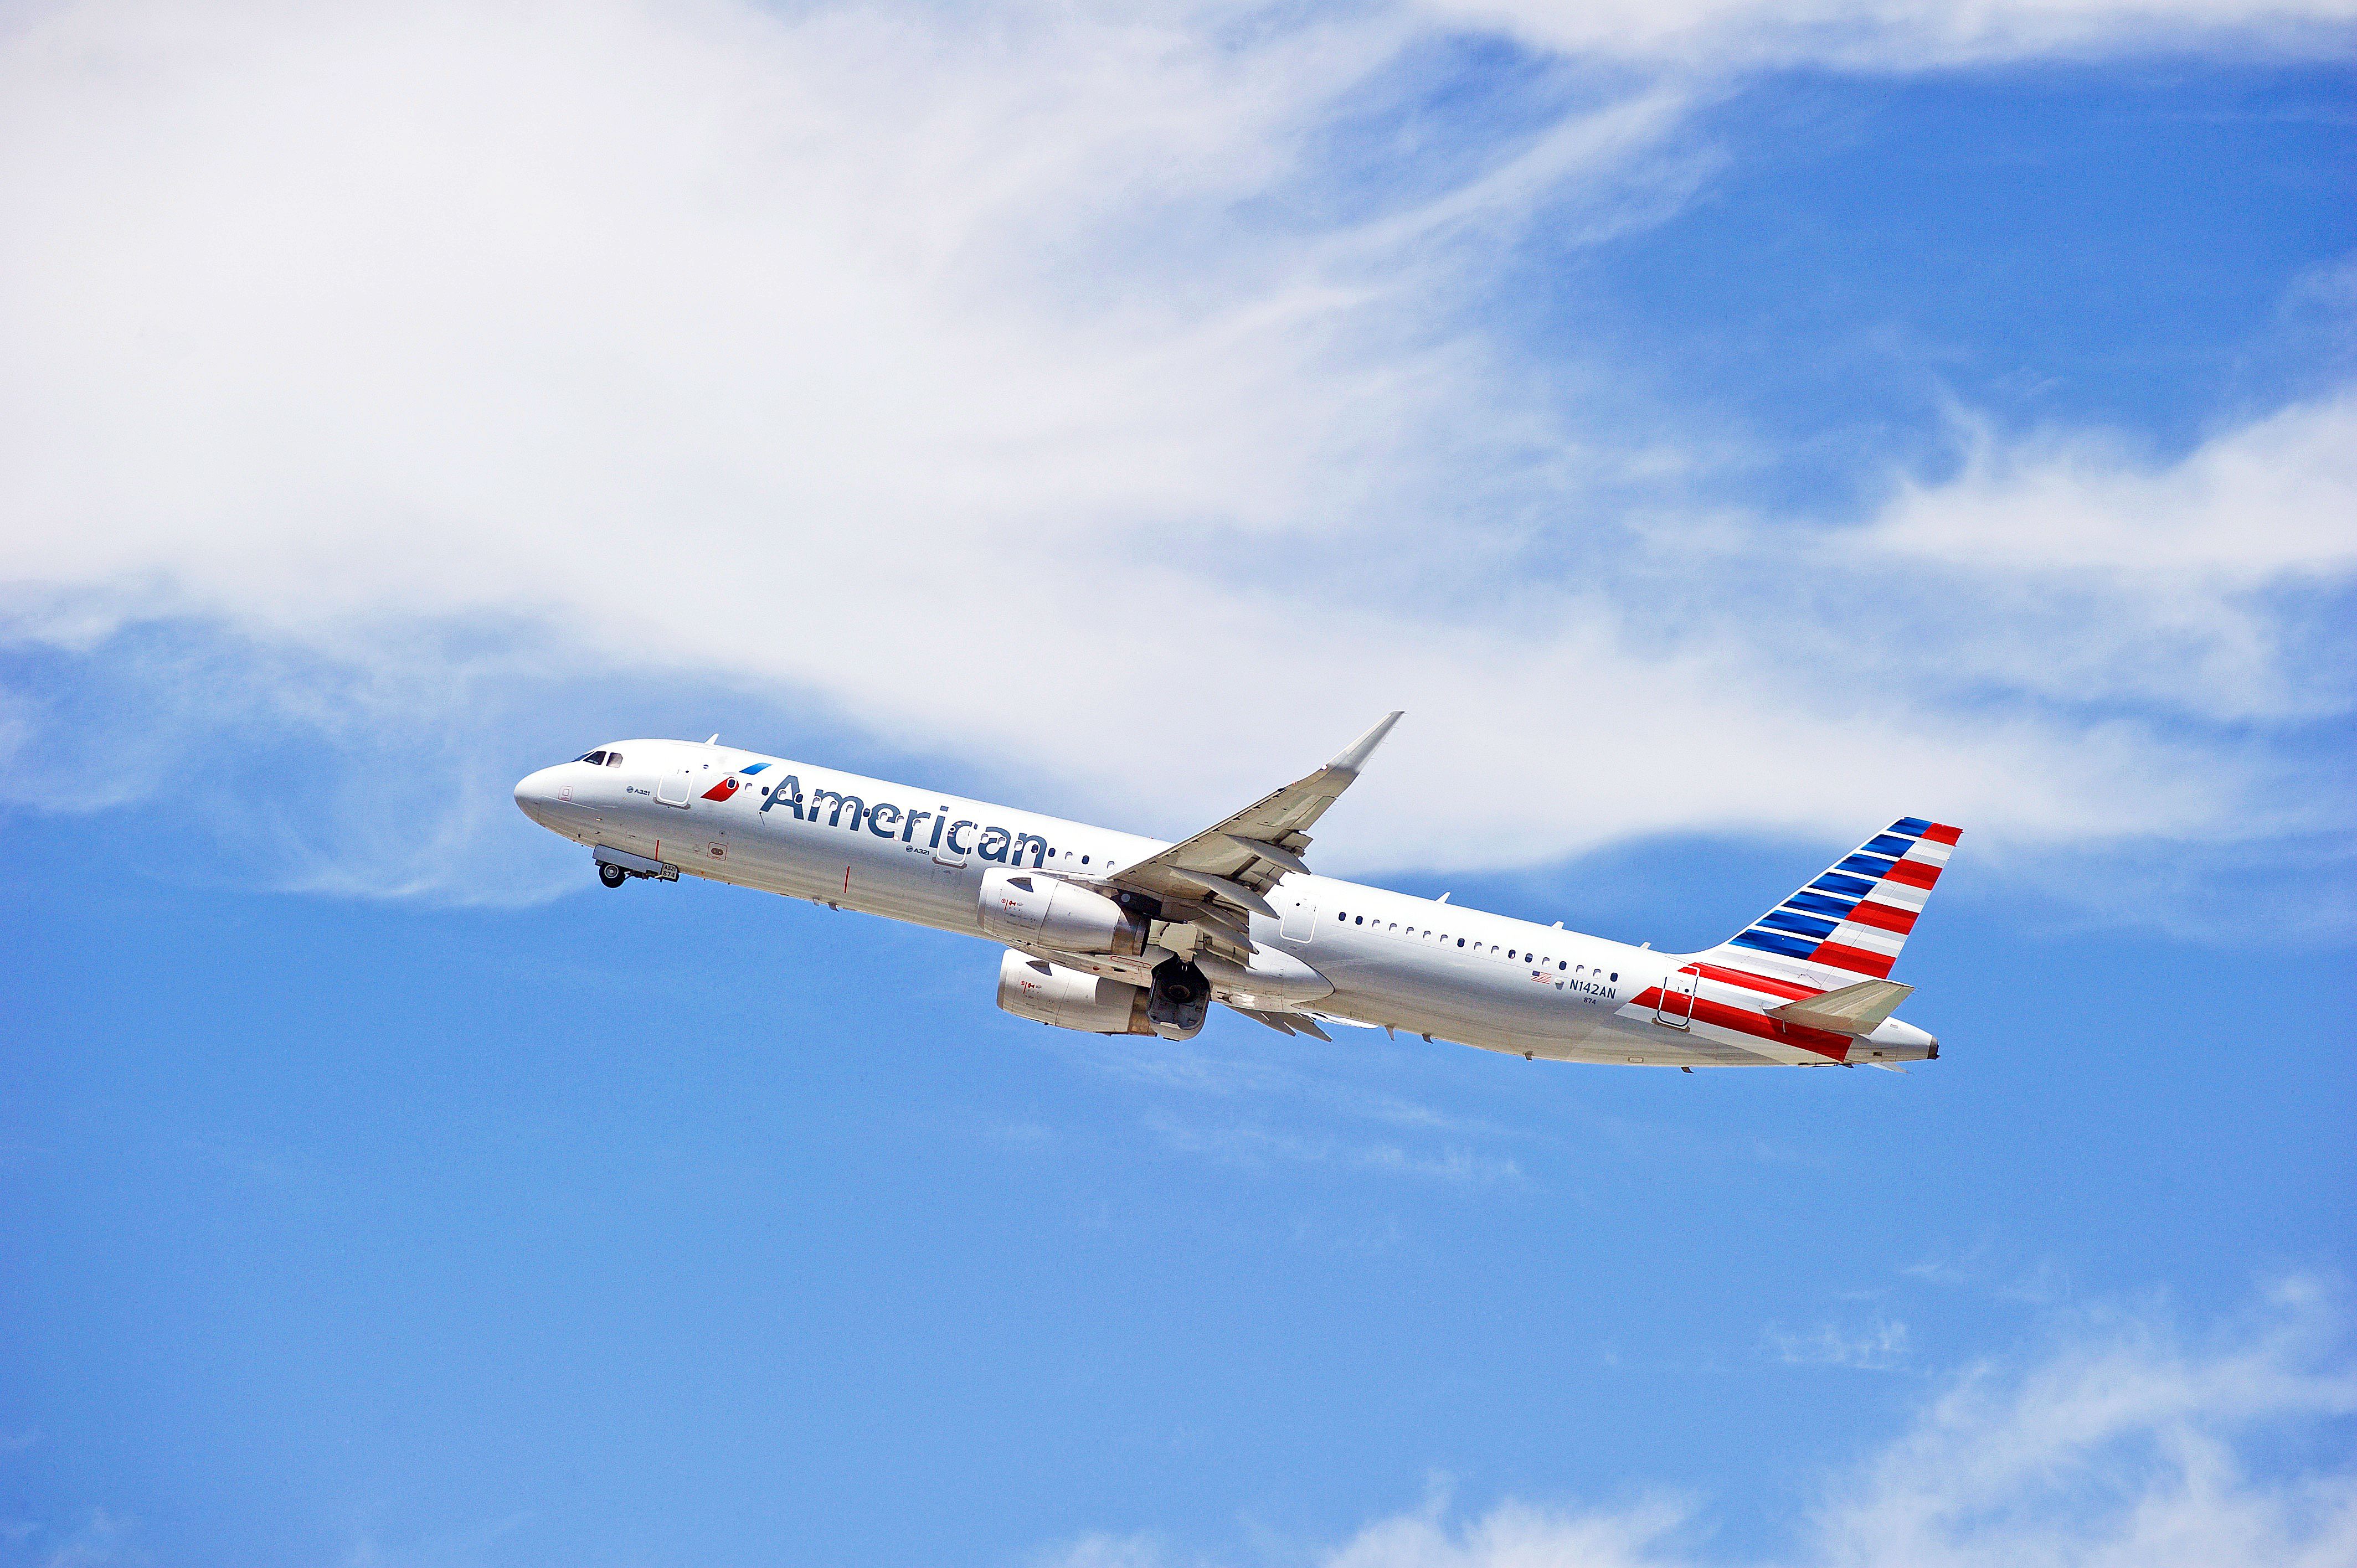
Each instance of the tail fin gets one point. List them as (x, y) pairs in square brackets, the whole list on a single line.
[(1855, 919)]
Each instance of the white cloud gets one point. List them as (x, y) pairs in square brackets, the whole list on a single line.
[(1036, 381), (2123, 1445), (2268, 501), (2128, 1446), (2171, 576)]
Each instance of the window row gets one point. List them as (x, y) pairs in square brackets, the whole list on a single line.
[(604, 759), (1512, 955)]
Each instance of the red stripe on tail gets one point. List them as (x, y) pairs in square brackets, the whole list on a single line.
[(1855, 959), (1885, 917), (1751, 981)]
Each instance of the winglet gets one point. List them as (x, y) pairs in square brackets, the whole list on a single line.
[(1355, 757)]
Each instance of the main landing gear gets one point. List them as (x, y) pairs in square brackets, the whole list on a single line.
[(612, 876)]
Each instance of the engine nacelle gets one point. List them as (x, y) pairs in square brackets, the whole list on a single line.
[(1042, 911), (1050, 994)]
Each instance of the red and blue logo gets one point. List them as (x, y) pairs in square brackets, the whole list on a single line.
[(728, 787)]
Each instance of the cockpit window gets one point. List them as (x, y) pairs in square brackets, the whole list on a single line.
[(594, 758), (614, 759)]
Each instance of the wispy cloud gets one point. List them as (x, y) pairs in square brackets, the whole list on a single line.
[(950, 370), (1248, 1144), (2126, 1442), (97, 1540), (1260, 1109), (1874, 1346), (1867, 35), (2173, 575)]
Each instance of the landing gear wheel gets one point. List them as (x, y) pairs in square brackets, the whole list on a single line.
[(612, 876)]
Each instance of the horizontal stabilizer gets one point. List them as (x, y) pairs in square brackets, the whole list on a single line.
[(1853, 1010)]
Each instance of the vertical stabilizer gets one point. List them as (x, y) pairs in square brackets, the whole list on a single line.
[(1853, 918)]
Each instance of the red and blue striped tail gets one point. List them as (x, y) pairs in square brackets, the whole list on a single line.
[(1855, 916)]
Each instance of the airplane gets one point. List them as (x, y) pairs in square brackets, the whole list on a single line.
[(1112, 933)]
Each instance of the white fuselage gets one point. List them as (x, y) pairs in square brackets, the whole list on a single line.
[(1393, 960)]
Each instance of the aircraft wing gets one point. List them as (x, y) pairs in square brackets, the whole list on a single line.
[(1230, 865)]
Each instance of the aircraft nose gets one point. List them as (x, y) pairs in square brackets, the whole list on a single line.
[(533, 791)]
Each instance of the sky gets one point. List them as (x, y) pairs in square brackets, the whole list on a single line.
[(1724, 428)]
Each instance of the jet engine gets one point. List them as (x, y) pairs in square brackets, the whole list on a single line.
[(1050, 994), (1042, 911), (1173, 1007)]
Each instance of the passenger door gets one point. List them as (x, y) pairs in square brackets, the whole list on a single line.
[(949, 869), (676, 785), (1300, 921)]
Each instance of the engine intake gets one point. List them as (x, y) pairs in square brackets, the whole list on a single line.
[(1050, 994), (1042, 911)]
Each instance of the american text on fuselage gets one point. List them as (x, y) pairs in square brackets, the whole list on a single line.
[(1116, 933)]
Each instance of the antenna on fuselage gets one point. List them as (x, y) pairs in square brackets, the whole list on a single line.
[(714, 740)]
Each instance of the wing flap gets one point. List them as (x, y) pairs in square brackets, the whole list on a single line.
[(1266, 1020)]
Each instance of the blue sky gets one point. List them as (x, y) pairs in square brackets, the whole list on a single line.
[(1721, 435)]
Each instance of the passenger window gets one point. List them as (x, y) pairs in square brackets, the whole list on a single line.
[(1563, 966), (613, 759), (1084, 859), (1616, 974), (1359, 921), (1460, 941)]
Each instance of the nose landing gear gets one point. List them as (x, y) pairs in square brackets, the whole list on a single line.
[(615, 866)]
